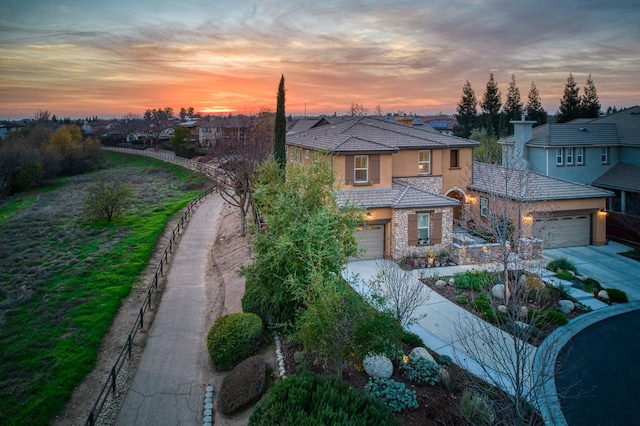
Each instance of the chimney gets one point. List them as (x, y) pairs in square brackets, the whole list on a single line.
[(522, 133)]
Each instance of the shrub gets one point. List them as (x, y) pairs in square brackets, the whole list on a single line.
[(233, 338), (392, 394), (477, 408), (462, 299), (444, 360), (306, 399), (107, 200), (561, 263), (411, 339), (242, 386), (548, 316), (482, 305), (564, 275), (617, 296), (421, 371), (473, 280)]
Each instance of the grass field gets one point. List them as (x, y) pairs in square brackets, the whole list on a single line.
[(62, 278)]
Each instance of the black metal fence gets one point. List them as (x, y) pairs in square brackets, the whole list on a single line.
[(110, 386)]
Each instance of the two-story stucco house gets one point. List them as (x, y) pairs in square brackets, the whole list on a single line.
[(412, 181)]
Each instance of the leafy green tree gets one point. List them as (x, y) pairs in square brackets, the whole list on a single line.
[(589, 102), (513, 107), (490, 104), (489, 150), (534, 108), (280, 131), (570, 106), (180, 142), (304, 231), (467, 112), (107, 200)]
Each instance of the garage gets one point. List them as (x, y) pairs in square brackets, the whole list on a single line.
[(564, 231), (371, 241)]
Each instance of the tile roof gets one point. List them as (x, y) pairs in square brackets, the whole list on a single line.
[(526, 185), (622, 176), (365, 134), (571, 134), (305, 124), (627, 123), (399, 196)]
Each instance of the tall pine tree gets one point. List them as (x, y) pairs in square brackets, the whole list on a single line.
[(467, 113), (534, 108), (570, 103), (589, 103), (280, 129), (513, 104), (490, 104)]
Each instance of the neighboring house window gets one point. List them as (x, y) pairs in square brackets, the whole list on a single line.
[(423, 228), (455, 159), (484, 207), (580, 156), (604, 155), (299, 155), (559, 157), (569, 156), (424, 162), (361, 169), (306, 154)]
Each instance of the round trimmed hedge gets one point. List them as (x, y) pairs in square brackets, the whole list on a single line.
[(234, 338)]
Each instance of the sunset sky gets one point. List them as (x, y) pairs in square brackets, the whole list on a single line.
[(108, 58)]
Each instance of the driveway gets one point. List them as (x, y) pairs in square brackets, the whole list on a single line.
[(605, 264)]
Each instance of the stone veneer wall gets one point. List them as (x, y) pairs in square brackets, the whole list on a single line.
[(427, 183), (400, 247)]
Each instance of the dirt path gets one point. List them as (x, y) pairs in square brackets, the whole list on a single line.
[(224, 294)]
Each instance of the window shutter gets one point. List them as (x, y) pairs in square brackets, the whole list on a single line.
[(374, 168), (436, 228), (349, 170), (413, 229)]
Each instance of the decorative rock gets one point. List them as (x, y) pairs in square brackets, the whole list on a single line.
[(497, 291), (445, 378), (502, 309), (524, 312), (440, 284), (573, 274), (521, 325), (378, 366), (566, 306), (602, 294), (452, 281), (421, 352)]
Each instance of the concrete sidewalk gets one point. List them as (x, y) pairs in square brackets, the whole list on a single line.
[(168, 386)]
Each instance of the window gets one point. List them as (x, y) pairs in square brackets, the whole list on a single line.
[(424, 162), (580, 156), (604, 155), (361, 169), (299, 155), (484, 207), (559, 157), (423, 228), (306, 154), (454, 163), (569, 156)]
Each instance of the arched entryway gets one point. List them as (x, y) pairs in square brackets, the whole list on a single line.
[(458, 211)]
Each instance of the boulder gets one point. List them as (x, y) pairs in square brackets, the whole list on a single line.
[(421, 352), (566, 306), (497, 291), (243, 385), (440, 284), (602, 294), (452, 281), (521, 325), (524, 312), (502, 309), (445, 378), (378, 366)]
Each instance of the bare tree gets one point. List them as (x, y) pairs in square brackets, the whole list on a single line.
[(157, 120), (397, 290), (237, 160), (357, 110), (128, 126)]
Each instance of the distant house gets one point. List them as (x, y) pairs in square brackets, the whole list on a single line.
[(603, 152), (229, 128), (9, 126)]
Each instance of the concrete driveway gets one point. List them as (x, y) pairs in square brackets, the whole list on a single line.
[(605, 264)]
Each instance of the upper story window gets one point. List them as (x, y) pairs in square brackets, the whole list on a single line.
[(424, 162), (569, 156), (484, 207), (559, 157), (580, 156), (455, 158), (306, 154), (361, 168), (423, 228), (604, 155)]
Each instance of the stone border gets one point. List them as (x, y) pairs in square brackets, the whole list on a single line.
[(207, 413), (279, 357)]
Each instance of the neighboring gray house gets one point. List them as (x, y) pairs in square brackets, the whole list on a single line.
[(603, 152)]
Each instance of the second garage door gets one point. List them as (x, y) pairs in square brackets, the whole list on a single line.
[(564, 231), (371, 240)]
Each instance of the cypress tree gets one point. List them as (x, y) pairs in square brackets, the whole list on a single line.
[(280, 130), (570, 103)]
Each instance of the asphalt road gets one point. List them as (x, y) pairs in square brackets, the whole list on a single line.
[(598, 373)]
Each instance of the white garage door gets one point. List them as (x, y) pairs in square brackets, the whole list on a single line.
[(371, 240), (564, 231)]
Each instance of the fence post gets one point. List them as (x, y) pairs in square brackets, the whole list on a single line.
[(113, 379), (149, 297), (92, 421), (129, 344), (141, 317)]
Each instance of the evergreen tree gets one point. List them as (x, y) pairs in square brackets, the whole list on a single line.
[(467, 113), (534, 108), (490, 104), (513, 105), (589, 103), (280, 130), (570, 104)]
